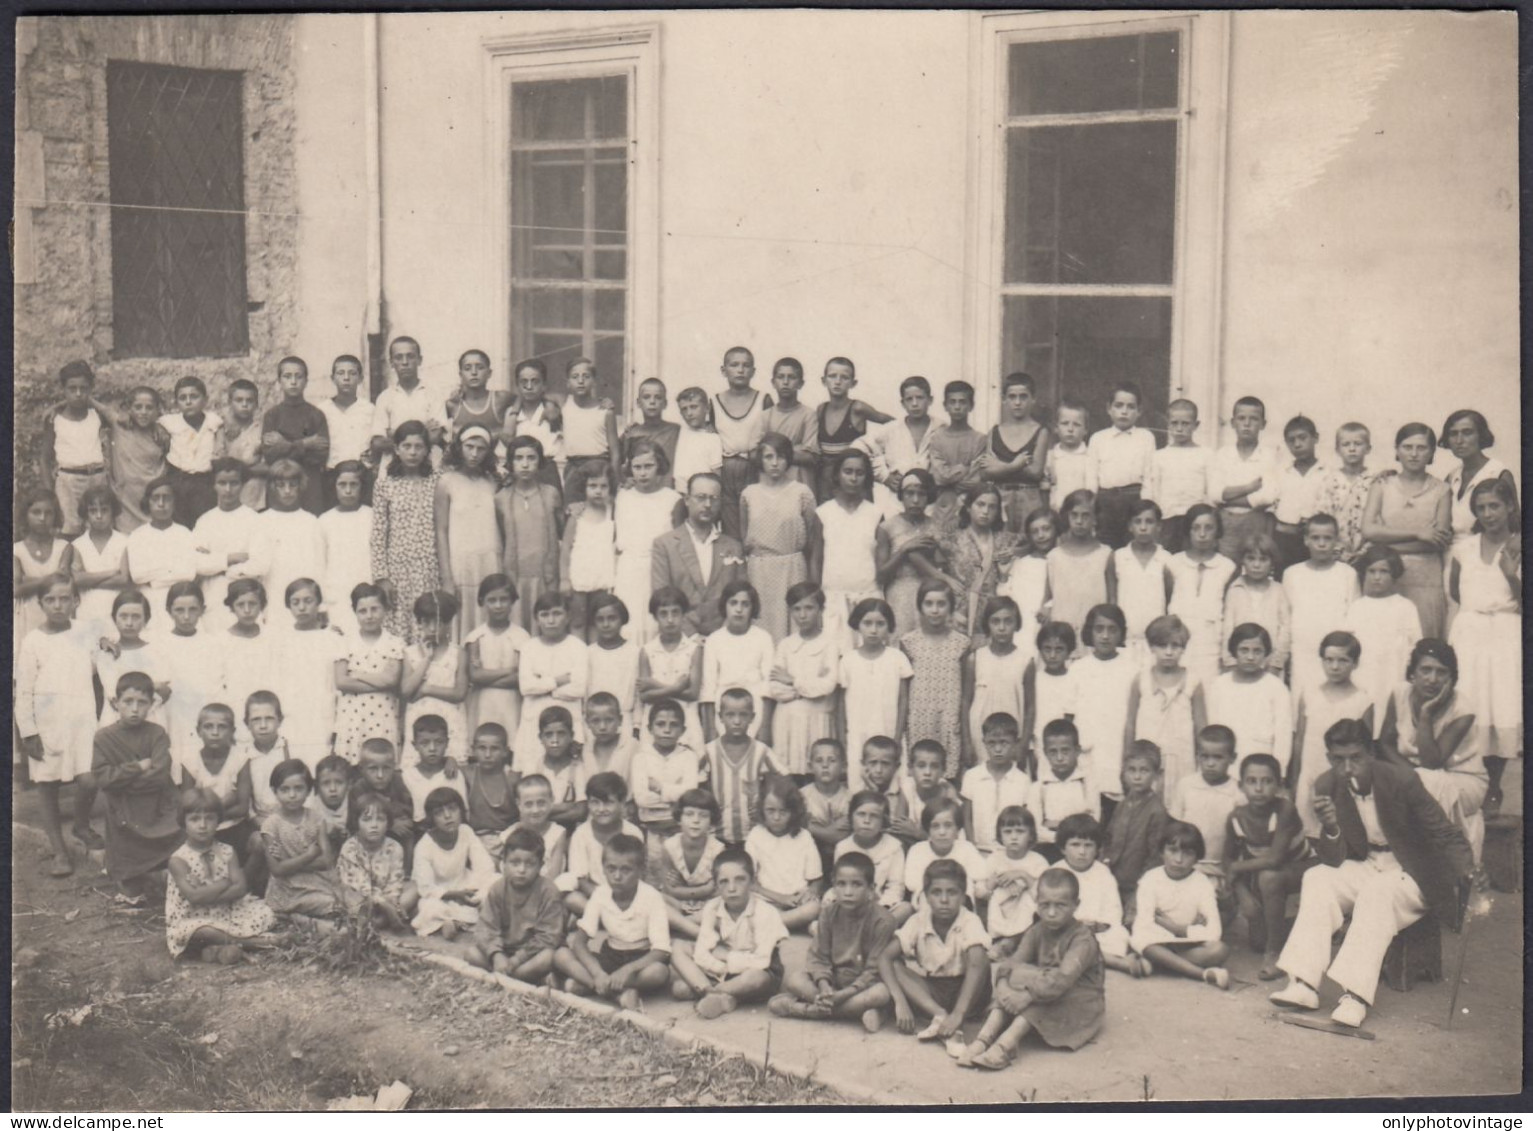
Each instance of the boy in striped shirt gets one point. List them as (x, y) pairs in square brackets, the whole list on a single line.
[(735, 764)]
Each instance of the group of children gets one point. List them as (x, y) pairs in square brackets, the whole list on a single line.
[(964, 706)]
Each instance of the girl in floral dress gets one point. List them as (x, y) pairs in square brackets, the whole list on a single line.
[(208, 905), (367, 677), (778, 524), (940, 687), (303, 880), (981, 556), (404, 527)]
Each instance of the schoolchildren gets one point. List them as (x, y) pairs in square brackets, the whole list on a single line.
[(495, 694), (1180, 474), (433, 768), (434, 680), (924, 784), (535, 809), (1166, 704), (1243, 472), (37, 560), (1206, 799), (792, 419), (297, 430), (1344, 491), (521, 920), (553, 670), (208, 906), (349, 418), (407, 401), (938, 961), (137, 458), (1320, 591), (870, 818), (788, 870), (1176, 921), (663, 769), (671, 662), (1265, 857), (371, 865), (244, 443), (196, 440), (699, 449), (216, 768), (1255, 598), (942, 821), (305, 653), (588, 550), (403, 541), (296, 853), (739, 655), (560, 767), (936, 651), (1120, 458), (469, 542), (683, 865), (634, 958), (1250, 700), (1136, 577), (1106, 677), (981, 556), (643, 512), (651, 425), (734, 766), (378, 775), (995, 784), (1016, 459), (1295, 491), (1081, 839), (1200, 574), (1138, 822), (908, 546), (589, 429), (827, 801), (902, 446), (1385, 624), (996, 673), (739, 416), (1320, 706), (1050, 688), (606, 798), (228, 535), (531, 512), (881, 775), (954, 449), (1069, 468), (1014, 872), (131, 764), (1061, 789), (839, 422), (875, 681), (345, 529), (451, 871), (489, 787), (76, 445), (735, 957), (367, 677), (1077, 566), (805, 668), (612, 670)]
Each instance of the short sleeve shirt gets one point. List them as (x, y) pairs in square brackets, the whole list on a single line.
[(641, 925), (935, 956)]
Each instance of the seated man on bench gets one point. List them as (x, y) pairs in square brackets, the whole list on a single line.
[(1388, 856)]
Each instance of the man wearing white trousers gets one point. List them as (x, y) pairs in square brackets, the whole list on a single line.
[(1389, 854)]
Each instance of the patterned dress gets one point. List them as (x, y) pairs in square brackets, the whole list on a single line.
[(974, 564), (901, 590), (314, 891), (1344, 496), (367, 714), (377, 876), (404, 544), (776, 526), (245, 918), (936, 701)]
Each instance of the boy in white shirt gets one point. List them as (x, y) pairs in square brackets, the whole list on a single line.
[(1295, 493), (991, 787), (1207, 798), (1241, 471), (699, 449), (735, 958), (407, 399), (1320, 591), (350, 418), (1120, 458), (1180, 475), (635, 958), (1064, 788), (1068, 468)]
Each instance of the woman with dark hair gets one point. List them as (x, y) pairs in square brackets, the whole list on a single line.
[(1410, 511), (1431, 726), (1467, 436), (404, 549)]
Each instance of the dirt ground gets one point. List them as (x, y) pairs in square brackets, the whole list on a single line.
[(177, 1036)]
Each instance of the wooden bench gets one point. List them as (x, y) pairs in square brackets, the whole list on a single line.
[(1415, 954)]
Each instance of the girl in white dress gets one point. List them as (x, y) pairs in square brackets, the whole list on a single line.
[(1386, 624), (1199, 576), (128, 651), (642, 513), (100, 560), (1166, 704), (39, 557), (1486, 579), (553, 672), (493, 648), (1136, 578), (588, 551), (996, 670), (1028, 582), (346, 530), (162, 551), (194, 667), (845, 565), (1319, 707), (671, 663), (1050, 687), (226, 534), (435, 678), (449, 859), (1104, 677), (288, 543), (613, 664), (306, 655), (875, 685), (1251, 701), (805, 669), (247, 653), (738, 655)]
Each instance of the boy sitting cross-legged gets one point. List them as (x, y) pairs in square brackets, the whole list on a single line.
[(635, 957), (521, 919), (735, 958)]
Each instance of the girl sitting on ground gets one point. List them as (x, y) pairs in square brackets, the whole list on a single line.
[(208, 907)]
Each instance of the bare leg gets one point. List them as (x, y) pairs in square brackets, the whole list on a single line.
[(682, 925), (1121, 962), (48, 793), (572, 968), (85, 803), (536, 968), (753, 985), (799, 918), (575, 903), (917, 991), (688, 980)]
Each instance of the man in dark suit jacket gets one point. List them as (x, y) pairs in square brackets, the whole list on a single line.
[(679, 555), (1389, 855)]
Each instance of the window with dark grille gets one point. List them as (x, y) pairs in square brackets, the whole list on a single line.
[(176, 162), (569, 223), (1092, 157)]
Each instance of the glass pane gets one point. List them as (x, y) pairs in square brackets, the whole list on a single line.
[(1079, 346), (569, 109), (554, 263), (1081, 76), (610, 308), (612, 265), (1091, 204), (611, 199), (610, 356), (549, 308)]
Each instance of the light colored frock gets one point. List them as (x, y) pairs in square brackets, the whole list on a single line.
[(503, 705), (150, 659), (667, 666), (1102, 719), (438, 870), (245, 918), (367, 714), (194, 772), (532, 545), (1141, 595), (1165, 718), (247, 664), (194, 671), (473, 542), (775, 522), (316, 892), (936, 693), (137, 461), (28, 614), (871, 702), (441, 671), (1197, 597), (742, 660), (1386, 628), (805, 711), (1463, 516), (541, 665), (997, 688), (96, 604), (640, 519), (1077, 582), (848, 573), (306, 686), (616, 670), (1422, 581), (1487, 635)]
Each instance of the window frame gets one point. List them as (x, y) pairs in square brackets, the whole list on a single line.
[(1196, 290), (628, 50)]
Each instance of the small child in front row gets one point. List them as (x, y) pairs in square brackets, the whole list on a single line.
[(489, 787), (452, 871), (330, 800), (826, 799), (535, 809), (521, 921), (1265, 857), (869, 814), (788, 871), (943, 822), (634, 959), (1176, 924), (683, 867), (1054, 983), (1137, 824), (938, 961), (735, 958), (1014, 872), (208, 906), (297, 852), (371, 864), (1062, 789), (1081, 837), (606, 797), (840, 978)]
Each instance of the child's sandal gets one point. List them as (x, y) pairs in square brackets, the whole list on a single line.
[(1217, 976), (993, 1059)]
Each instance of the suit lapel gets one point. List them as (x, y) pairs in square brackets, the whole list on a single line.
[(689, 557)]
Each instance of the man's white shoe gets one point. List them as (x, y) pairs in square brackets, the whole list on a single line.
[(1350, 1011), (1296, 994)]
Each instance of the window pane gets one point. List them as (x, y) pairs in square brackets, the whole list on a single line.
[(1080, 76), (176, 168), (610, 310), (609, 355), (1091, 204), (570, 109), (611, 178), (1078, 347)]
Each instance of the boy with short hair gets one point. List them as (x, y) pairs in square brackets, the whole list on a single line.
[(1207, 798), (1137, 824), (840, 978), (881, 774), (406, 399), (955, 447), (1061, 789), (433, 768), (1344, 491), (330, 801), (378, 772), (561, 767), (734, 765), (1179, 474), (489, 784), (350, 418), (740, 423), (196, 440), (294, 429), (788, 416), (635, 956), (1120, 456), (244, 439), (901, 445), (606, 795), (1068, 467), (735, 958), (651, 425), (535, 806), (1265, 857), (521, 921), (839, 378), (76, 446), (1241, 472), (1320, 591), (938, 960), (131, 766), (994, 784), (826, 799), (1295, 493), (699, 449)]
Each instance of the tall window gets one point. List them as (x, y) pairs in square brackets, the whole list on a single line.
[(569, 222), (177, 174), (1092, 141)]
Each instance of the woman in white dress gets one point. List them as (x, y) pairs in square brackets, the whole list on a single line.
[(1467, 435), (100, 560)]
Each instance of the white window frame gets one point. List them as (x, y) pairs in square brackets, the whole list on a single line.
[(1197, 274), (632, 50)]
